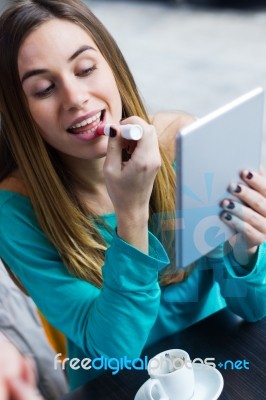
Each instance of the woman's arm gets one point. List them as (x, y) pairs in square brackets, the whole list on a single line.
[(244, 291), (99, 321), (241, 267)]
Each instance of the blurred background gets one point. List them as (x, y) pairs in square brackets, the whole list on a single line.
[(192, 55)]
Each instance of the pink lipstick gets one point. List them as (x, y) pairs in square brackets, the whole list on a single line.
[(129, 131)]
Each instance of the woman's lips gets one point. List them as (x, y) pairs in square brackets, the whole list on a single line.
[(88, 124)]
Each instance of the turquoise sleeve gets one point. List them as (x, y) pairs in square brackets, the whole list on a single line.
[(113, 321), (244, 291)]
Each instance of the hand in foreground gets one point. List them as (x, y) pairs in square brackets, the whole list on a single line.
[(249, 218), (130, 183), (17, 375), (18, 389)]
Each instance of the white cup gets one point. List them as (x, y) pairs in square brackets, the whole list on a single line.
[(172, 376)]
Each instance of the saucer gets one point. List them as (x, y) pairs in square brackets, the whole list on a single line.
[(209, 384)]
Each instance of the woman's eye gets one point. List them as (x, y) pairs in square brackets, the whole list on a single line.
[(87, 71), (45, 92)]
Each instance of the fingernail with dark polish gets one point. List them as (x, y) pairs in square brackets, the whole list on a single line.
[(235, 188), (227, 216), (231, 205), (249, 175), (112, 132)]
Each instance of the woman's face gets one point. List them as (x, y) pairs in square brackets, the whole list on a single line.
[(70, 88)]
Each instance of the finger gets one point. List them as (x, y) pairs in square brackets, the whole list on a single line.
[(147, 149), (146, 154), (149, 137), (29, 370), (113, 159), (245, 214), (249, 196), (251, 235), (255, 180)]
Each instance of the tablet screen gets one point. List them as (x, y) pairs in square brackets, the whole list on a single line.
[(210, 154)]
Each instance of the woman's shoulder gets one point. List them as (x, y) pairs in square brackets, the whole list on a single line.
[(167, 125), (14, 199), (166, 119), (14, 183)]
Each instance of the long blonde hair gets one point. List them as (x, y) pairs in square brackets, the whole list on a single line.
[(60, 214)]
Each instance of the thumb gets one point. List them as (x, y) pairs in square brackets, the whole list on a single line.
[(113, 159)]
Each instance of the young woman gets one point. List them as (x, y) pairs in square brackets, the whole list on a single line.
[(82, 226)]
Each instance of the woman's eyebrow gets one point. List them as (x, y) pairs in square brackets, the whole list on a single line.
[(33, 72), (79, 51), (40, 71)]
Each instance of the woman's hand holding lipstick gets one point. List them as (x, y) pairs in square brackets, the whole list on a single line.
[(130, 183)]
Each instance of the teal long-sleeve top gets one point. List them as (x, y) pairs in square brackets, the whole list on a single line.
[(130, 311)]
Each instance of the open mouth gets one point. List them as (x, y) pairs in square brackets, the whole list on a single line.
[(88, 125)]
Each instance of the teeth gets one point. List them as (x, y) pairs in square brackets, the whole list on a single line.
[(89, 130), (87, 121)]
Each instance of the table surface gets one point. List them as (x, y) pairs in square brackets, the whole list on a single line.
[(223, 336)]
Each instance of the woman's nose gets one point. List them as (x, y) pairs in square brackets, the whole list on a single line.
[(74, 96)]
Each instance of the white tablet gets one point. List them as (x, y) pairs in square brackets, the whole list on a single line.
[(210, 154)]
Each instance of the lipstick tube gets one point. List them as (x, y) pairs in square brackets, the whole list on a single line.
[(129, 131)]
